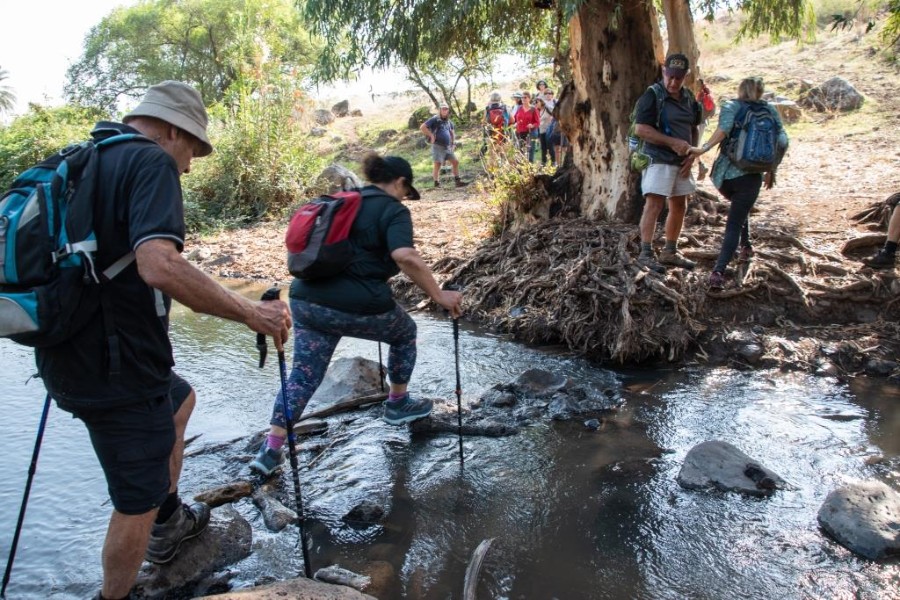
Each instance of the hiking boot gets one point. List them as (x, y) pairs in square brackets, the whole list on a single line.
[(267, 460), (406, 410), (674, 258), (716, 280), (437, 183), (460, 183), (882, 260), (746, 254), (166, 538), (649, 261)]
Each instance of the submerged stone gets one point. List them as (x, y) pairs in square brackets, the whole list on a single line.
[(717, 464)]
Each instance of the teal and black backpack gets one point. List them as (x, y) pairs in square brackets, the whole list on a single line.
[(753, 143), (50, 284)]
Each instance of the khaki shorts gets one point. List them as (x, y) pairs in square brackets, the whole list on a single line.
[(441, 153), (663, 180)]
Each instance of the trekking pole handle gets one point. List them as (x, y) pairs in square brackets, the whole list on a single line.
[(273, 293)]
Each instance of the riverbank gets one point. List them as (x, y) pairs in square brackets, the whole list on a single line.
[(804, 302)]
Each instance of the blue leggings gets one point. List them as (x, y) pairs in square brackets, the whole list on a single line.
[(742, 192), (317, 331)]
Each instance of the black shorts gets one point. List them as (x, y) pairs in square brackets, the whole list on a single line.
[(133, 444)]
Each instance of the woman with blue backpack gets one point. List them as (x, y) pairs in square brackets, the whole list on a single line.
[(753, 142)]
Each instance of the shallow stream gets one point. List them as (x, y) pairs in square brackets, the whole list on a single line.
[(574, 513)]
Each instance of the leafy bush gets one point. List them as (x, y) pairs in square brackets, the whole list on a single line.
[(263, 161), (419, 116), (39, 133)]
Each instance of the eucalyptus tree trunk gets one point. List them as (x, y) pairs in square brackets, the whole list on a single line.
[(614, 50), (680, 25)]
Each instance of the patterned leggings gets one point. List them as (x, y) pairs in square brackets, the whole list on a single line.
[(318, 329)]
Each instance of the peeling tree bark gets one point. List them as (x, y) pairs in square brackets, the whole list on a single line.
[(614, 49), (680, 25)]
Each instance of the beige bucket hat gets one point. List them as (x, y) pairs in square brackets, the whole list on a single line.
[(178, 104)]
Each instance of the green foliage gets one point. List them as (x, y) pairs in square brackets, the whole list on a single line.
[(205, 43), (7, 96), (419, 116), (511, 184), (39, 133), (263, 161)]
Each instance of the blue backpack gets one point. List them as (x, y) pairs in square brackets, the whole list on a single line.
[(50, 286), (753, 143)]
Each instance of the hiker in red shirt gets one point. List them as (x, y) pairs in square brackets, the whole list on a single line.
[(527, 120)]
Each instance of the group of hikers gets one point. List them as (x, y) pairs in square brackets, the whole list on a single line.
[(137, 417)]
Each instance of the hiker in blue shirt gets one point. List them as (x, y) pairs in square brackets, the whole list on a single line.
[(439, 130), (738, 186)]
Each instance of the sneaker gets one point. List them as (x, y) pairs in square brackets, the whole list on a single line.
[(881, 260), (166, 538), (746, 254), (649, 261), (673, 258), (267, 460), (406, 410), (716, 280)]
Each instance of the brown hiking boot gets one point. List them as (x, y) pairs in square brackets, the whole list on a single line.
[(187, 522), (673, 258), (882, 260), (649, 261)]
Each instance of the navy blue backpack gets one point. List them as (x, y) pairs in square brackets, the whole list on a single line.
[(50, 286), (753, 143)]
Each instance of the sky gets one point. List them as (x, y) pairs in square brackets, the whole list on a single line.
[(36, 50)]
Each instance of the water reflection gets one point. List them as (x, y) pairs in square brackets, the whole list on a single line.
[(574, 513)]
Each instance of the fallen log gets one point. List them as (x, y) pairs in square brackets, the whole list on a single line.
[(345, 405)]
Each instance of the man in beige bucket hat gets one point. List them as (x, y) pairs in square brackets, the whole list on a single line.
[(137, 418)]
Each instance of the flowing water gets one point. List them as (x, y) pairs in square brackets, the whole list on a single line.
[(574, 513)]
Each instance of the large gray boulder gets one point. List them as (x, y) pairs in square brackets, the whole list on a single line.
[(294, 589), (865, 518), (341, 109), (835, 94), (323, 117), (225, 541), (719, 465), (335, 178)]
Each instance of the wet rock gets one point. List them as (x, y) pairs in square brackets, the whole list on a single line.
[(275, 515), (225, 494), (750, 353), (835, 94), (592, 424), (341, 109), (717, 464), (294, 589), (323, 117), (382, 578), (498, 398), (365, 513), (865, 518), (340, 576), (224, 542), (346, 378), (447, 423), (562, 407), (878, 367), (538, 383)]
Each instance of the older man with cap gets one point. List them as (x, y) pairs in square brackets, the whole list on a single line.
[(136, 417), (667, 119), (439, 131)]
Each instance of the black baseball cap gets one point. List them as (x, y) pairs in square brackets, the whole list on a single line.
[(677, 65), (400, 168)]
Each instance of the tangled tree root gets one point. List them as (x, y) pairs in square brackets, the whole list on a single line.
[(878, 214)]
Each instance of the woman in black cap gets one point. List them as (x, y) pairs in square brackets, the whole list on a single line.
[(358, 303)]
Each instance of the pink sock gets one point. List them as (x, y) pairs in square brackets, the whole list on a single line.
[(275, 442), (394, 397)]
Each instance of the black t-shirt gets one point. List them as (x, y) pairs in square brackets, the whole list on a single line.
[(382, 225), (681, 115), (139, 199)]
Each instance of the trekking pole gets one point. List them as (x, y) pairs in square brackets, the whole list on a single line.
[(380, 368), (458, 388), (273, 294), (31, 470)]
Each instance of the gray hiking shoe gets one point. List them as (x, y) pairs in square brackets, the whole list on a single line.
[(651, 263), (267, 460), (882, 260), (166, 538), (406, 410), (675, 259)]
